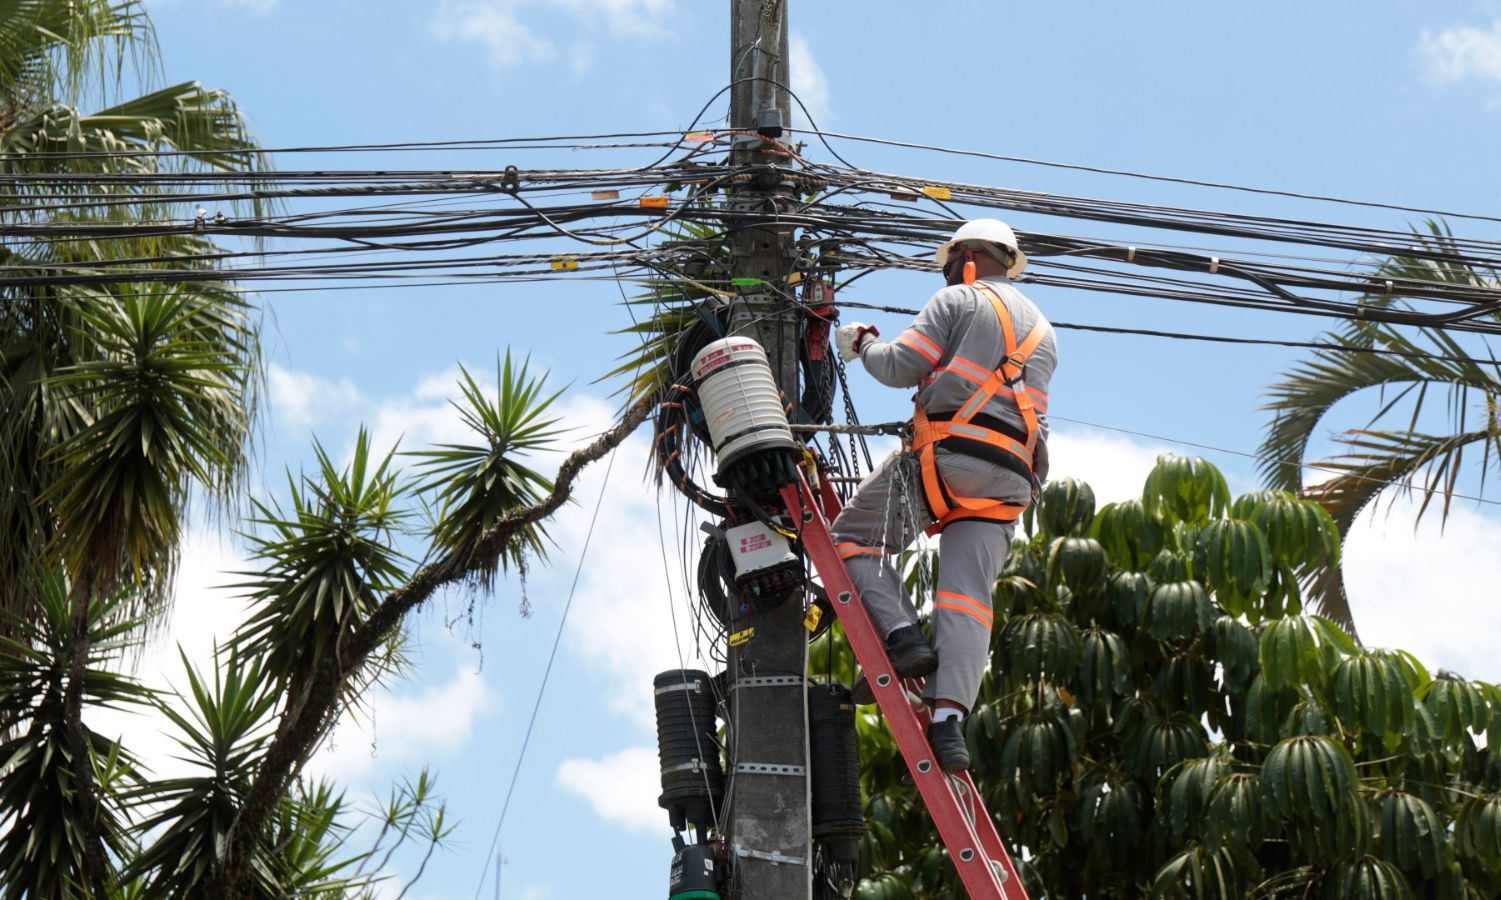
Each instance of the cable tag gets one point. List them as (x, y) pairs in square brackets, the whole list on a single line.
[(654, 202), (564, 262), (698, 137), (814, 616), (606, 195), (741, 637), (937, 192)]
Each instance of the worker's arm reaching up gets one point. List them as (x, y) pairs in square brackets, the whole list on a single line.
[(913, 356)]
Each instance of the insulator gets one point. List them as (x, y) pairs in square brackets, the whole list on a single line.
[(838, 818), (746, 415), (692, 778)]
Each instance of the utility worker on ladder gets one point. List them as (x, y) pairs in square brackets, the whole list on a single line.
[(981, 355)]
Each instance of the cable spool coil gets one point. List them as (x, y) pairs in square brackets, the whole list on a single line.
[(741, 402)]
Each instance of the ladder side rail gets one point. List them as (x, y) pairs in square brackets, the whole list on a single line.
[(966, 850)]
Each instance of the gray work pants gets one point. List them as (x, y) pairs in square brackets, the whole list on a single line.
[(886, 514)]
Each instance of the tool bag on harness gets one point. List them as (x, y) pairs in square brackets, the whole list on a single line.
[(969, 432)]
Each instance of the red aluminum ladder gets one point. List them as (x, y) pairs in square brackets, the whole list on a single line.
[(964, 825)]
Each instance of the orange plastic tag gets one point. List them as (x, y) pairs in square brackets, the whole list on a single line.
[(606, 195), (654, 202)]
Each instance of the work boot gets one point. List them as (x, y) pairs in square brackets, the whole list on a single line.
[(910, 654), (947, 739)]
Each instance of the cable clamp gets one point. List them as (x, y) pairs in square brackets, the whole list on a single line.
[(510, 179), (693, 765), (769, 769), (768, 681), (1130, 254), (775, 856), (1214, 265), (694, 686)]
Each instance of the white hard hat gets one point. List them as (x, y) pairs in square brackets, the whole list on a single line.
[(993, 231)]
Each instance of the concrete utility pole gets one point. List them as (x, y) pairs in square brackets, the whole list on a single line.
[(768, 827)]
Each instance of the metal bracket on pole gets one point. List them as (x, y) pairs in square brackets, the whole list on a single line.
[(769, 769), (768, 681)]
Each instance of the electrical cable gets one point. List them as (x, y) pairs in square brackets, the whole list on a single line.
[(546, 673)]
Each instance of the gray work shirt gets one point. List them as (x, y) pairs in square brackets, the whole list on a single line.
[(954, 345)]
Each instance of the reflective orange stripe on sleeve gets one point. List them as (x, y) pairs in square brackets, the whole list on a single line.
[(851, 550), (924, 345), (966, 605)]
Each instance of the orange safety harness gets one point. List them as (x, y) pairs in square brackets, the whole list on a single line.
[(962, 433)]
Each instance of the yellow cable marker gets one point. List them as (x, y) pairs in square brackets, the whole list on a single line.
[(564, 262), (937, 192), (741, 637), (814, 616), (698, 137)]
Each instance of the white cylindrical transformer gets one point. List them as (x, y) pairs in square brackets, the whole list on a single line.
[(741, 403)]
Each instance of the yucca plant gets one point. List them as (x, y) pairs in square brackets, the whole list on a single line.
[(60, 841), (1162, 719)]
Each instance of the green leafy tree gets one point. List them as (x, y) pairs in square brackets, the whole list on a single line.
[(1438, 400), (1161, 718)]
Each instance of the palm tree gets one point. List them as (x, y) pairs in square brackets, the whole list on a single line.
[(117, 401), (1412, 372)]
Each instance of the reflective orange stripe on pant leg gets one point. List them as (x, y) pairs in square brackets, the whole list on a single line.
[(850, 550), (966, 605)]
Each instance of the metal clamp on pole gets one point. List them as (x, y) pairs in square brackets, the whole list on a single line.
[(774, 856)]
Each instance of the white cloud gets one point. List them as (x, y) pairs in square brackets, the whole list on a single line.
[(304, 400), (1461, 53), (1114, 467), (808, 81), (622, 787), (1430, 591), (627, 18), (494, 25), (204, 613), (397, 727), (499, 25)]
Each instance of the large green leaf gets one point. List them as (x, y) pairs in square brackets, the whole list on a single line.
[(1038, 647), (1132, 538), (1185, 489), (1197, 873), (1371, 694), (1165, 741), (1179, 610), (1412, 835), (1066, 508), (1457, 704), (1234, 647), (1291, 654), (1104, 666), (1477, 830), (1078, 563), (1309, 778), (1233, 814), (1232, 558), (1365, 878)]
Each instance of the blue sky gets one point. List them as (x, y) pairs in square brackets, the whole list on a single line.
[(1400, 102)]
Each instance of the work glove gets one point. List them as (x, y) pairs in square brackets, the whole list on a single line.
[(850, 337)]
